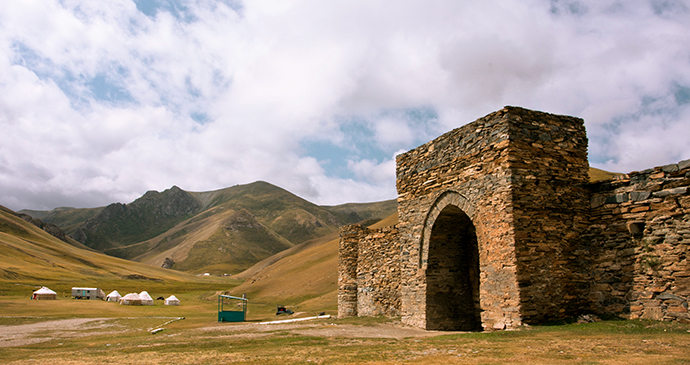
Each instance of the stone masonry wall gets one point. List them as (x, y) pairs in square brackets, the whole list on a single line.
[(503, 205), (638, 244), (467, 168), (378, 273), (347, 269), (369, 280), (549, 169)]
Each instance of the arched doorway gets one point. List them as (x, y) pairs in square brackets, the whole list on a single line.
[(452, 273)]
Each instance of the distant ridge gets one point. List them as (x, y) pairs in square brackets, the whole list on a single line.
[(221, 231)]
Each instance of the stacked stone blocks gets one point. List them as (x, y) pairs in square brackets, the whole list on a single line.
[(369, 272), (499, 226), (639, 243)]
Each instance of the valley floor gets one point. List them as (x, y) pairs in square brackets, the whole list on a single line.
[(69, 331)]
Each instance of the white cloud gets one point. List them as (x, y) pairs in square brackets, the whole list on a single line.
[(393, 132), (98, 100), (373, 171)]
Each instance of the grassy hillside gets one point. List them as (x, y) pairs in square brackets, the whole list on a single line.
[(193, 231), (215, 240), (360, 212), (32, 256), (239, 242), (600, 175), (288, 215), (304, 281), (304, 277), (68, 219)]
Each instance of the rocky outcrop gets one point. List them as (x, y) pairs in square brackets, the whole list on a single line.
[(106, 215), (51, 229), (122, 224), (168, 263)]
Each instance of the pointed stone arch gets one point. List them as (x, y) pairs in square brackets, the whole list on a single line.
[(449, 259), (445, 199)]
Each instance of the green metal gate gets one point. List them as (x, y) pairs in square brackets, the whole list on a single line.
[(232, 315)]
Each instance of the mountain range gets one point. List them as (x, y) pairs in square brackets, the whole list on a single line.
[(221, 231), (304, 275)]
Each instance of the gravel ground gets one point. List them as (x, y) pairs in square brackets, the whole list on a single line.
[(328, 330), (26, 334)]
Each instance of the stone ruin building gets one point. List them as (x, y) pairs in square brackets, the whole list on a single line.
[(499, 226)]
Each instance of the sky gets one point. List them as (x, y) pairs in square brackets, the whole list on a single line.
[(101, 101)]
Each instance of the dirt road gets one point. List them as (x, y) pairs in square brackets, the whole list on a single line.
[(25, 334), (328, 329)]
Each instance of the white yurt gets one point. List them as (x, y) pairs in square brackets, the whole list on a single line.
[(114, 296), (145, 298), (171, 300), (130, 299), (44, 294)]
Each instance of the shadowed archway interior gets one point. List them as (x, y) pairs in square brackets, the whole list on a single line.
[(452, 273)]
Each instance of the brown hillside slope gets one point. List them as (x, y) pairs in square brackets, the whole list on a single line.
[(31, 255), (219, 240), (600, 175), (304, 277), (306, 280)]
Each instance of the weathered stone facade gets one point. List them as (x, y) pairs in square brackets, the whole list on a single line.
[(637, 246), (369, 280), (499, 226)]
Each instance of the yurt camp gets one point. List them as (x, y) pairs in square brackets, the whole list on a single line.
[(44, 294), (145, 298), (130, 299), (114, 296), (171, 300)]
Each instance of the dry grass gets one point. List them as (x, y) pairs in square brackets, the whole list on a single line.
[(203, 341), (31, 255), (600, 175), (303, 277)]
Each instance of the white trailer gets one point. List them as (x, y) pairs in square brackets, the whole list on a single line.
[(87, 293)]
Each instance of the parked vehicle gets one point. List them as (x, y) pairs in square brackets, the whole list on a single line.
[(87, 293)]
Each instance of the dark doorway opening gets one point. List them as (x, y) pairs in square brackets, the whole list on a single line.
[(452, 274)]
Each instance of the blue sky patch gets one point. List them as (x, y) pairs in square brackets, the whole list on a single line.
[(359, 139), (682, 95), (176, 8), (332, 158), (180, 9), (46, 70), (200, 117), (574, 7), (668, 7), (104, 89)]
